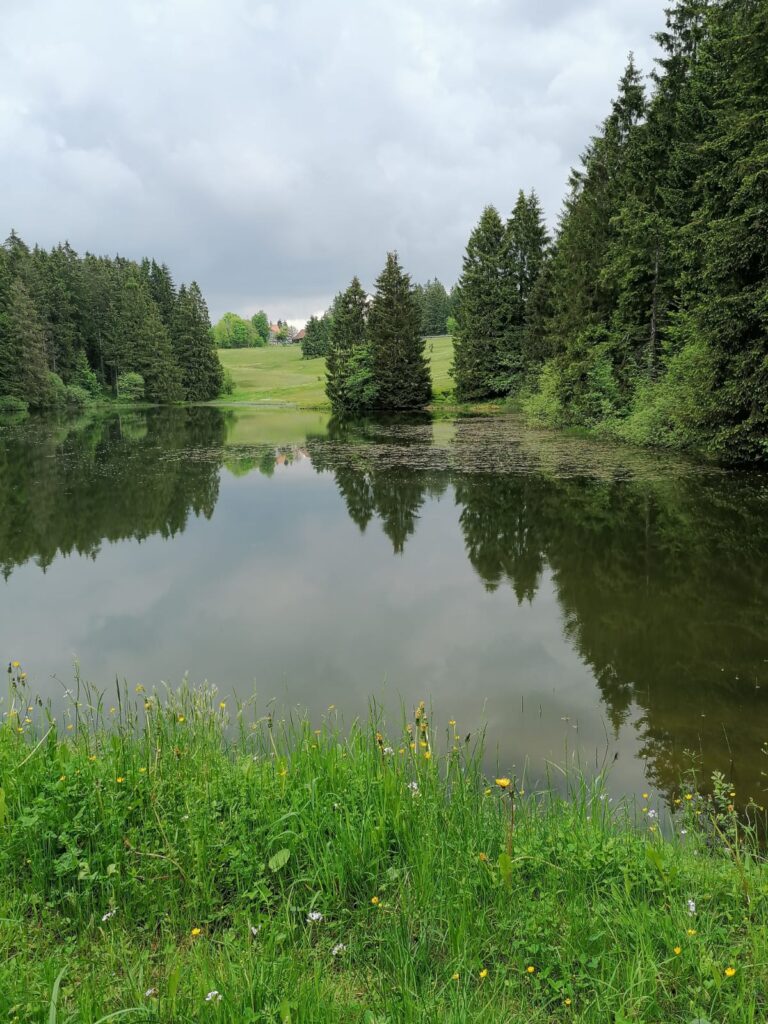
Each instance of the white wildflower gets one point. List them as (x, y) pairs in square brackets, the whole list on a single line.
[(109, 913), (683, 831), (653, 814), (338, 949), (691, 907), (414, 787), (314, 915), (150, 993), (213, 996), (255, 929), (388, 750)]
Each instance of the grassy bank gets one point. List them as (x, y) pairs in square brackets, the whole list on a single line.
[(183, 859), (278, 373)]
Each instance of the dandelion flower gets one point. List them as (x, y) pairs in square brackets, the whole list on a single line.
[(484, 972), (213, 996), (16, 664), (120, 778), (677, 950), (730, 971), (314, 915), (422, 743), (455, 976), (689, 796), (530, 969), (222, 704), (375, 901), (691, 931), (181, 718), (503, 783), (645, 796), (195, 932), (567, 1000), (427, 755)]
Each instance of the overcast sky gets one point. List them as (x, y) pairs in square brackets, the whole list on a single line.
[(273, 150)]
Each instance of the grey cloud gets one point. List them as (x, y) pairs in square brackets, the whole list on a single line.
[(272, 150)]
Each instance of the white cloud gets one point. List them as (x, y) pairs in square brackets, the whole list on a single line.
[(272, 150)]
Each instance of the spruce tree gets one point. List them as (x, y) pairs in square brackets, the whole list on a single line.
[(23, 359), (400, 367), (163, 291), (349, 374), (193, 345), (482, 312)]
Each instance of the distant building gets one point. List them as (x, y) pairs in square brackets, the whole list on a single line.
[(301, 335)]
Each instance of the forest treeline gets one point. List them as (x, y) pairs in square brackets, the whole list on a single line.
[(76, 328), (646, 317)]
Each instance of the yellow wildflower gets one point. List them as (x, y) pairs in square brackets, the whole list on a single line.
[(62, 778), (487, 792), (502, 783), (195, 932), (645, 796), (140, 689), (92, 757), (452, 722), (181, 718), (730, 971), (375, 901), (484, 972), (401, 750), (16, 664), (222, 704), (677, 950), (142, 770), (691, 931), (530, 969), (483, 857), (689, 796), (120, 778), (455, 976), (70, 727), (112, 711), (427, 755), (567, 1000)]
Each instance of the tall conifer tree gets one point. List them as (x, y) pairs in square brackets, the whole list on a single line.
[(400, 367)]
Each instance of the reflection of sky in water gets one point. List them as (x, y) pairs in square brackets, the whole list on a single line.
[(280, 592)]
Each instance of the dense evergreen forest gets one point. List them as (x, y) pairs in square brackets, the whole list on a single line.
[(73, 329), (646, 318)]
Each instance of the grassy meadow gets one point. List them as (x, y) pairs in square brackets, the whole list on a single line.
[(179, 857), (279, 375)]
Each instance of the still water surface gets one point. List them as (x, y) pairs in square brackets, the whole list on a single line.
[(578, 598)]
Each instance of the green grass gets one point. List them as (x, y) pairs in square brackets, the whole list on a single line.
[(181, 845), (278, 374)]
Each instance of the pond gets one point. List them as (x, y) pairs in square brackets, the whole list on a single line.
[(585, 602)]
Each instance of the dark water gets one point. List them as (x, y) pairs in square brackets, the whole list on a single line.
[(582, 600)]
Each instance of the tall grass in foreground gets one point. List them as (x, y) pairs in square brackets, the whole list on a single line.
[(179, 859)]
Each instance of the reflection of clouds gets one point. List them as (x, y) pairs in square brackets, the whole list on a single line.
[(282, 592)]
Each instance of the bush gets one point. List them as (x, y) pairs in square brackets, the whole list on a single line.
[(673, 412), (56, 392), (10, 405), (227, 383), (76, 397), (130, 387)]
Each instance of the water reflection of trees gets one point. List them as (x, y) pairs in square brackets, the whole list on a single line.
[(662, 584), (68, 488)]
